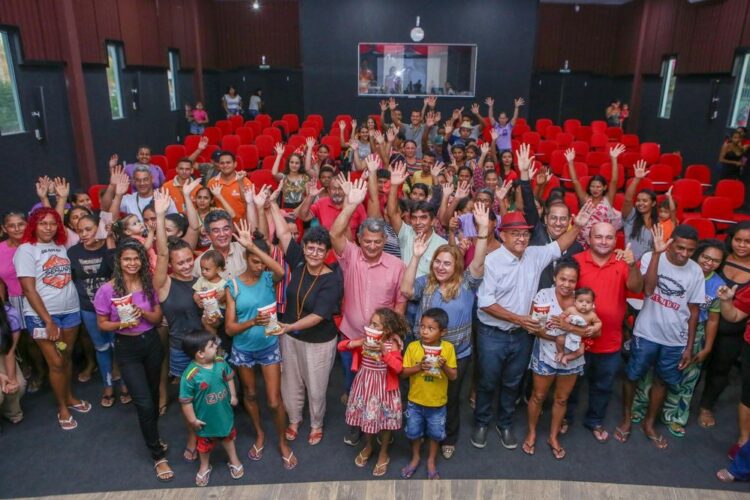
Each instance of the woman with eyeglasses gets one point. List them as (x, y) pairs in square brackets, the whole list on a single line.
[(309, 346)]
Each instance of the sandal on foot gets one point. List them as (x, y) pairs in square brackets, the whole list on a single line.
[(167, 475), (528, 448), (447, 451), (433, 475), (16, 419), (658, 440), (564, 427), (706, 418), (290, 434), (315, 437), (676, 429), (255, 453), (290, 462), (236, 471), (84, 378), (189, 455), (558, 453), (381, 469), (125, 398), (408, 471), (725, 476), (201, 480), (82, 407), (600, 434), (68, 424), (361, 460), (621, 435), (162, 410), (107, 401)]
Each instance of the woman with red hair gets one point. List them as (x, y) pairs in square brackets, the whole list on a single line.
[(50, 306)]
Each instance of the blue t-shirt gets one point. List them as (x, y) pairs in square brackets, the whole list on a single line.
[(248, 298), (711, 304)]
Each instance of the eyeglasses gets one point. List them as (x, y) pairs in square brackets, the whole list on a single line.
[(519, 235), (315, 251), (707, 258), (219, 230)]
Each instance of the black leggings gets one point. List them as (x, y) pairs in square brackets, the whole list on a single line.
[(726, 351), (140, 358)]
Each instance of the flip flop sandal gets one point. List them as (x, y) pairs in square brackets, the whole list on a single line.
[(162, 410), (290, 434), (255, 453), (621, 435), (408, 471), (107, 401), (82, 407), (381, 469), (201, 480), (166, 475), (315, 437), (361, 460), (447, 451), (125, 398), (68, 424), (725, 476), (603, 435), (528, 448), (558, 453), (288, 464), (189, 455), (706, 419), (658, 441), (236, 471), (433, 475), (83, 379), (676, 430)]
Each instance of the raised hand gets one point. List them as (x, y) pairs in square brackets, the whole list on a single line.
[(41, 188), (275, 195), (570, 155), (312, 189), (448, 128), (447, 189), (261, 197), (519, 102), (62, 188), (481, 215), (523, 157), (215, 190), (725, 293), (584, 215), (429, 119), (658, 236), (399, 174), (354, 123), (391, 135), (243, 235), (639, 170), (116, 170), (431, 100), (383, 105), (475, 108), (494, 134), (485, 148), (161, 201), (279, 149), (342, 125), (190, 186), (669, 192), (357, 192), (501, 192), (121, 182), (392, 104), (626, 255), (456, 114), (543, 176), (373, 163), (420, 245), (489, 102), (464, 190), (203, 143), (616, 151), (453, 223), (310, 142), (436, 170), (378, 136), (113, 161)]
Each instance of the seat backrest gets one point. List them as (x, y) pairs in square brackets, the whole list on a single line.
[(599, 140), (631, 142), (674, 160), (214, 135), (717, 207), (261, 177), (162, 162), (557, 162), (614, 133), (596, 158), (293, 121), (281, 125), (237, 121), (264, 119), (699, 172), (296, 140), (689, 192), (599, 126), (706, 229), (265, 145), (645, 183), (249, 155), (191, 143), (531, 138), (256, 126), (224, 125), (273, 132), (732, 189), (230, 143), (519, 130), (651, 151), (245, 134), (334, 146), (564, 139), (572, 201), (605, 170), (308, 132), (268, 161), (571, 125), (551, 131), (541, 124), (583, 133), (174, 152)]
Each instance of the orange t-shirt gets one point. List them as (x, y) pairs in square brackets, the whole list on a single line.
[(175, 191), (667, 226), (231, 192)]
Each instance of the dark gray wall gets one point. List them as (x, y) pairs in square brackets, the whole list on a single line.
[(282, 88), (504, 31), (24, 158)]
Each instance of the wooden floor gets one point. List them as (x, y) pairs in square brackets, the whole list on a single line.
[(427, 490)]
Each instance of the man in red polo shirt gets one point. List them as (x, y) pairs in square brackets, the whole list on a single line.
[(609, 273), (327, 209)]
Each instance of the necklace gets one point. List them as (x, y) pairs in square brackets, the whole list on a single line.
[(299, 288)]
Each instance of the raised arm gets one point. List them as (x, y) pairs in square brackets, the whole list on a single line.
[(419, 247), (570, 156), (651, 278), (245, 238), (340, 228), (303, 210), (672, 207), (62, 191), (122, 186), (516, 106), (482, 219), (109, 193), (282, 230), (569, 237), (42, 190), (279, 150), (614, 152), (639, 173), (392, 105), (490, 102), (161, 205), (398, 177), (373, 196), (310, 168), (224, 204), (728, 311), (202, 144), (193, 231)]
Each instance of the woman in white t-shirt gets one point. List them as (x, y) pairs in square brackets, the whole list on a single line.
[(50, 307), (256, 104), (232, 102)]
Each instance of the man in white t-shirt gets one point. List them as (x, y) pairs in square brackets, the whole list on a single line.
[(664, 331), (135, 203)]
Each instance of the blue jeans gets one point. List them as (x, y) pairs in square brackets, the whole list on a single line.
[(502, 358), (423, 420), (601, 370), (104, 344), (346, 364), (645, 354)]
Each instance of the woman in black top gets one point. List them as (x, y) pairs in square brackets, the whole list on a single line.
[(729, 343), (309, 346)]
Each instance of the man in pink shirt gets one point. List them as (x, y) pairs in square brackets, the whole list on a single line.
[(372, 278)]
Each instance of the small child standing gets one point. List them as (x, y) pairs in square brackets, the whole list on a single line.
[(668, 215), (374, 403), (429, 363), (569, 345), (207, 394), (212, 265)]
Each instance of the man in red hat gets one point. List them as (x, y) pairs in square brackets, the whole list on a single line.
[(504, 300)]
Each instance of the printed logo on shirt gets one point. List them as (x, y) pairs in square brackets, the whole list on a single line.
[(56, 272), (667, 287), (214, 397)]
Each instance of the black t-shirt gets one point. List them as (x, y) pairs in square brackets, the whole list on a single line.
[(324, 299), (90, 269)]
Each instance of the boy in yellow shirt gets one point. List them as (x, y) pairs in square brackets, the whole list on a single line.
[(429, 363)]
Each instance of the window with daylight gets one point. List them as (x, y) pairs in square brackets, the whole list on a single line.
[(741, 101), (113, 81), (669, 80), (10, 106), (172, 71)]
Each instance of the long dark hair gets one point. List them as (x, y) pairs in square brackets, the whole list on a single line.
[(144, 274), (6, 333), (639, 223), (704, 245)]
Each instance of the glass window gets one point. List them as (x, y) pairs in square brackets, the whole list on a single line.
[(741, 101), (113, 81), (174, 67), (10, 106), (669, 80)]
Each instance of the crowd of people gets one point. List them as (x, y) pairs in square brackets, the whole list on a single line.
[(427, 259)]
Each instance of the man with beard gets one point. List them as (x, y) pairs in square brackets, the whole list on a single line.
[(610, 274), (421, 219), (327, 209)]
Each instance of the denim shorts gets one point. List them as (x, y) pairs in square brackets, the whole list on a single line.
[(423, 420), (69, 320), (178, 362), (269, 356), (645, 354)]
